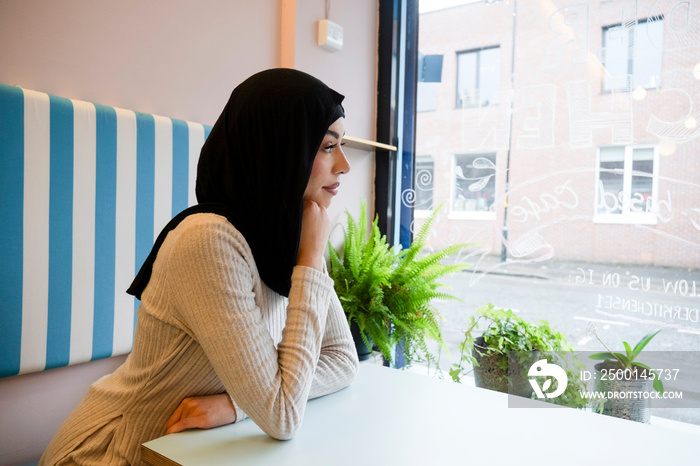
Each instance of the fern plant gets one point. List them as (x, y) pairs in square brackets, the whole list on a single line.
[(387, 293), (516, 341)]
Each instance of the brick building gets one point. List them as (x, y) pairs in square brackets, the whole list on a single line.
[(576, 127)]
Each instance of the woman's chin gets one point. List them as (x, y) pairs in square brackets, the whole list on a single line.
[(323, 199)]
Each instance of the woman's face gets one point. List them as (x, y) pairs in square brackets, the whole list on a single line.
[(329, 164)]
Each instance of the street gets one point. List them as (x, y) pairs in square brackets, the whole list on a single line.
[(569, 307)]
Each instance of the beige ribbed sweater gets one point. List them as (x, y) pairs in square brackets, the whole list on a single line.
[(208, 324)]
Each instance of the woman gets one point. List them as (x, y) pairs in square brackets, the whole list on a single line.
[(235, 302)]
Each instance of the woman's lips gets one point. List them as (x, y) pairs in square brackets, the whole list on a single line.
[(333, 188)]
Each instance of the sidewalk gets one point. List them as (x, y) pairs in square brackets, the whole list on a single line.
[(573, 271)]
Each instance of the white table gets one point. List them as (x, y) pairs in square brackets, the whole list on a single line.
[(390, 417)]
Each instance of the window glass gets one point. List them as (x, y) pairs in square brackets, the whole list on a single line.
[(426, 97), (489, 75), (616, 51), (423, 182), (648, 56), (642, 179), (564, 147), (631, 55), (611, 180), (478, 77), (467, 74), (626, 179), (474, 182)]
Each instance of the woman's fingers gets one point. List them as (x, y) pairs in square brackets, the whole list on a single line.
[(184, 424), (175, 417)]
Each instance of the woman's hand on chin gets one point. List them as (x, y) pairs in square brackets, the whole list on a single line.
[(315, 229)]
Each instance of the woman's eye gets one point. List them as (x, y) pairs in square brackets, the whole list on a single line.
[(329, 148)]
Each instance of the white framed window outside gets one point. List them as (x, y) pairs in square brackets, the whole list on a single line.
[(424, 185), (478, 77), (632, 55), (627, 185), (473, 186)]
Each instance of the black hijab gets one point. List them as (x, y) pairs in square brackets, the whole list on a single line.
[(255, 165)]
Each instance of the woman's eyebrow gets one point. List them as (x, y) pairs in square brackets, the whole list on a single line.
[(333, 133)]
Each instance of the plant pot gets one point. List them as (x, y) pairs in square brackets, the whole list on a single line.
[(493, 371), (363, 352), (635, 408)]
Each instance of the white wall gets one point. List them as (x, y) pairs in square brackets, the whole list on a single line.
[(179, 59), (343, 71), (352, 72)]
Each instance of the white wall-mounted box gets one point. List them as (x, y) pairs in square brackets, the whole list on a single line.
[(330, 35)]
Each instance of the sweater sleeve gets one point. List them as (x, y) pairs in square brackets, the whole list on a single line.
[(211, 277), (338, 363)]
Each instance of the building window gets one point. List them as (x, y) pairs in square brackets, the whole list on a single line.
[(429, 77), (474, 187), (478, 77), (627, 185), (423, 183), (632, 55)]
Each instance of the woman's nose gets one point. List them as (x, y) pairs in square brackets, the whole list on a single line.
[(341, 166)]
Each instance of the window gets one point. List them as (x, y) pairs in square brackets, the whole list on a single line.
[(597, 187), (423, 183), (429, 77), (474, 185), (478, 77), (632, 55), (626, 187)]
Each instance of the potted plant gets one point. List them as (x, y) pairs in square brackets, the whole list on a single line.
[(386, 293), (622, 373), (508, 348)]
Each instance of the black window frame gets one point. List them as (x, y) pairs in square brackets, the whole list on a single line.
[(397, 76)]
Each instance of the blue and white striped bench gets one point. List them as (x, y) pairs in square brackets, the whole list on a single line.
[(83, 190)]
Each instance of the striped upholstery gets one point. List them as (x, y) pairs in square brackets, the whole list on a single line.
[(83, 190)]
